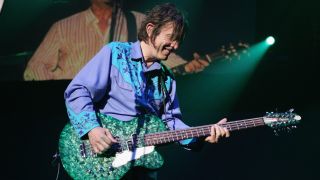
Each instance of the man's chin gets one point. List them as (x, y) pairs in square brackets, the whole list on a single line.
[(163, 57)]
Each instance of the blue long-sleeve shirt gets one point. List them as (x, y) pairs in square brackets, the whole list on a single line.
[(115, 82)]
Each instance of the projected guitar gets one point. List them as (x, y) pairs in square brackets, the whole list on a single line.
[(228, 53), (135, 149)]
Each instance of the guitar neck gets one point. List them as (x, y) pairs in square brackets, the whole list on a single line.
[(200, 131)]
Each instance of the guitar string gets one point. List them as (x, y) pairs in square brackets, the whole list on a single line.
[(232, 123), (165, 138), (229, 126), (169, 136), (194, 131), (181, 134), (178, 133)]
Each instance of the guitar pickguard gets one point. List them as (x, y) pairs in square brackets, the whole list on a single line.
[(127, 156)]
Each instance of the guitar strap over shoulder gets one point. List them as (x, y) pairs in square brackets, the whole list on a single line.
[(114, 16), (131, 25)]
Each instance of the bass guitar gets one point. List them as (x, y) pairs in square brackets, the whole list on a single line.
[(136, 141)]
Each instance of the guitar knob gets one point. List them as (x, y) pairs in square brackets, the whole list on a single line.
[(111, 168), (89, 171)]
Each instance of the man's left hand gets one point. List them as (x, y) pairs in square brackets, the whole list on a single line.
[(196, 65), (218, 132)]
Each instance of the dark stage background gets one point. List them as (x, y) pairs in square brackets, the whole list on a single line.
[(33, 113)]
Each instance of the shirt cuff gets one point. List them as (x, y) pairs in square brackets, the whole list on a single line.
[(193, 144), (188, 141), (83, 122)]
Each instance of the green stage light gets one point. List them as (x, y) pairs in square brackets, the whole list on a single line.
[(270, 40)]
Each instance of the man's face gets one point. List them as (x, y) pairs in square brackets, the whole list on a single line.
[(164, 44)]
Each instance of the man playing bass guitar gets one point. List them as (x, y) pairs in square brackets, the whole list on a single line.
[(119, 93)]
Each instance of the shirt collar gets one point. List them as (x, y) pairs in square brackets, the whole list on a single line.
[(136, 54), (90, 17)]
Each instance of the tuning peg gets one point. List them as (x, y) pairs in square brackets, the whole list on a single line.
[(288, 130), (244, 51), (223, 50), (268, 114), (242, 44), (291, 110)]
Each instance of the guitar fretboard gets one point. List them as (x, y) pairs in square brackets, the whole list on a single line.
[(200, 131)]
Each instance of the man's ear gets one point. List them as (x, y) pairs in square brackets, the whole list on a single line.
[(149, 29)]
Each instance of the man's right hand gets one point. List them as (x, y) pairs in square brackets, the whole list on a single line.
[(100, 139)]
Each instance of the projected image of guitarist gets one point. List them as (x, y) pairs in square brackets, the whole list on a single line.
[(124, 102), (72, 41)]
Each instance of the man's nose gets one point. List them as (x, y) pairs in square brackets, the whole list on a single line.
[(175, 45)]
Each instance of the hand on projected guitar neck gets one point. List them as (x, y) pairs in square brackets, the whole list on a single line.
[(196, 65)]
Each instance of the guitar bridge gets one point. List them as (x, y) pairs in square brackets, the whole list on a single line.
[(83, 150), (134, 142)]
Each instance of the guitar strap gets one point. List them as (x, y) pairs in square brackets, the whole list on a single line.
[(131, 26), (164, 92), (115, 10), (166, 96)]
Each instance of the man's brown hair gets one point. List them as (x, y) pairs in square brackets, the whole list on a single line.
[(160, 16)]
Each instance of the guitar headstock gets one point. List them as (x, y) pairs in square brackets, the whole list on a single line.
[(282, 121), (234, 51)]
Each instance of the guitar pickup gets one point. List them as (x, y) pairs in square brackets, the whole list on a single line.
[(83, 151)]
